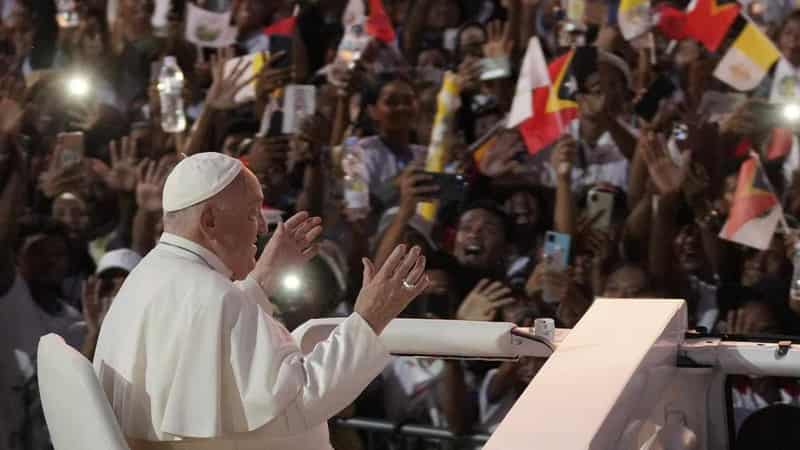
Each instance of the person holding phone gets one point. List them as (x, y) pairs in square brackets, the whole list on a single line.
[(391, 105), (603, 145)]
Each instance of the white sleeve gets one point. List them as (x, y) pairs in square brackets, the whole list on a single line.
[(244, 368), (255, 293)]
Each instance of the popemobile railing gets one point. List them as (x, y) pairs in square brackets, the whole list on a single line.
[(382, 434)]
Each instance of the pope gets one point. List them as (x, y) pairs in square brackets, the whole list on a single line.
[(189, 354)]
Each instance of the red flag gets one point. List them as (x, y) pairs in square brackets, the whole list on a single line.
[(708, 22), (780, 143), (672, 22), (553, 106), (284, 27), (379, 25), (743, 148), (755, 210)]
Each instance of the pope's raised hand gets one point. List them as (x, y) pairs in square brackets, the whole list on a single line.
[(293, 244), (385, 293)]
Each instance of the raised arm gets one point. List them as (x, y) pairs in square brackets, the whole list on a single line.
[(561, 161), (414, 28), (309, 389), (220, 98), (13, 190)]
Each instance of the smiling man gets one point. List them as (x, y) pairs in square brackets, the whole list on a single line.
[(189, 350), (481, 244)]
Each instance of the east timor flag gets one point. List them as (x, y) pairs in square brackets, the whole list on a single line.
[(554, 105), (707, 21), (755, 210)]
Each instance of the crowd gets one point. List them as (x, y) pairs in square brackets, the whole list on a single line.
[(635, 191)]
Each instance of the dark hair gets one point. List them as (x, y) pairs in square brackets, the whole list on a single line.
[(373, 91), (791, 17), (771, 427), (543, 199), (494, 208), (33, 225)]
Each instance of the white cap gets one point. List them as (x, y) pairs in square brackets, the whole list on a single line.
[(198, 178), (123, 258)]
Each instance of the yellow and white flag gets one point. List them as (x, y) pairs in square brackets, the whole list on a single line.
[(749, 59), (254, 62), (634, 18), (447, 103)]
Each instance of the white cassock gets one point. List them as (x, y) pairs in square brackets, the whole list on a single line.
[(186, 353)]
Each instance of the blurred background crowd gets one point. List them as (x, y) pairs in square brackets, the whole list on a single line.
[(574, 149)]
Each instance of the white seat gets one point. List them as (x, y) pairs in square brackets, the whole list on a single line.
[(76, 409)]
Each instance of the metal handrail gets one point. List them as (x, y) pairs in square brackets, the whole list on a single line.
[(421, 431)]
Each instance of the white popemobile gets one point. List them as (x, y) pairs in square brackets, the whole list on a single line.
[(628, 376)]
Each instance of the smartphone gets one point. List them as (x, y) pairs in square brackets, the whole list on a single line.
[(452, 188), (278, 44), (72, 147), (299, 102), (556, 250), (600, 202), (660, 89)]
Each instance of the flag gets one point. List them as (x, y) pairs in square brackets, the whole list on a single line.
[(255, 62), (708, 21), (533, 75), (481, 147), (780, 143), (743, 148), (479, 151), (755, 210), (378, 23), (447, 103), (554, 106), (354, 13), (748, 60), (207, 28), (671, 22), (283, 27), (634, 18)]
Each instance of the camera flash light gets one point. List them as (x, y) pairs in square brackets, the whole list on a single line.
[(291, 282), (791, 112), (78, 86)]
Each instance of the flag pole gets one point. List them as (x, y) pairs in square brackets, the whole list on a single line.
[(782, 217)]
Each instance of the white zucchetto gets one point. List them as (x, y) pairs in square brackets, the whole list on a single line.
[(198, 178)]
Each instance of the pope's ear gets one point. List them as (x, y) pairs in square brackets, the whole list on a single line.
[(208, 219)]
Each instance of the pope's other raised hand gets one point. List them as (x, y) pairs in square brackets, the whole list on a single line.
[(385, 293), (293, 244)]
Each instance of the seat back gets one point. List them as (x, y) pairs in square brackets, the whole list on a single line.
[(78, 414)]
